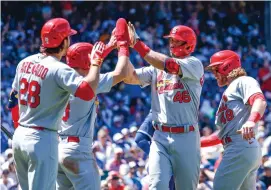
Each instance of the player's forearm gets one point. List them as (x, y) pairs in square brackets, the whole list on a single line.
[(156, 59), (257, 110), (211, 140), (132, 77), (92, 77), (120, 72)]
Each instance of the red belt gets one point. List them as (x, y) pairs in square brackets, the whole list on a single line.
[(73, 139), (180, 129), (38, 128), (226, 140)]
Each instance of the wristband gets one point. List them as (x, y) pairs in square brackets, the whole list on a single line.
[(141, 48), (94, 64), (97, 62), (255, 117), (123, 51)]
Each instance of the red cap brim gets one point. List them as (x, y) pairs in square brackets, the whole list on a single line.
[(72, 32), (175, 37), (213, 64)]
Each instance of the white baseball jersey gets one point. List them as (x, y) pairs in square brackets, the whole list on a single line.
[(44, 85), (80, 116), (175, 99), (233, 110)]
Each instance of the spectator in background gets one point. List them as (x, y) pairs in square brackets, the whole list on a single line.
[(219, 25), (133, 131), (266, 176), (206, 131), (104, 150), (117, 125), (264, 75), (5, 180), (114, 163), (118, 138), (265, 158), (204, 182), (12, 172), (262, 53), (114, 181)]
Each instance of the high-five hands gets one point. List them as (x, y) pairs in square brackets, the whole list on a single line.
[(133, 35), (96, 56)]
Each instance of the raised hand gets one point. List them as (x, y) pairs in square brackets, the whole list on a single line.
[(133, 35), (112, 44), (122, 33), (113, 40), (96, 56)]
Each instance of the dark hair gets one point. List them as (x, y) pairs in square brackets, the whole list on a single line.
[(53, 50), (115, 178)]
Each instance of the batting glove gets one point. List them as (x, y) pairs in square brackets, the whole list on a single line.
[(96, 56)]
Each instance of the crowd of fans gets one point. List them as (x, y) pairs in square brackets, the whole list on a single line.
[(219, 25)]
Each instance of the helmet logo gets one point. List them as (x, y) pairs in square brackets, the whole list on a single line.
[(46, 40), (174, 30), (226, 67)]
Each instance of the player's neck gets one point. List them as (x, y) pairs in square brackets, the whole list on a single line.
[(56, 55)]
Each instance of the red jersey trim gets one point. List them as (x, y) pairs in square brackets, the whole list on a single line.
[(84, 92), (254, 97)]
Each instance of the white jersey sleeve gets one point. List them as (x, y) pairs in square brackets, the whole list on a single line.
[(105, 83), (68, 79), (192, 67), (145, 75), (247, 87), (15, 84)]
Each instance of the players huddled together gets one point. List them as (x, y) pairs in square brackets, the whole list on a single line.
[(56, 111), (54, 106)]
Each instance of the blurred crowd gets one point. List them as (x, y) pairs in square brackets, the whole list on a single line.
[(219, 25)]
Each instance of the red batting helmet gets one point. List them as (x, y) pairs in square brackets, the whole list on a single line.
[(186, 34), (55, 31), (77, 55), (226, 61)]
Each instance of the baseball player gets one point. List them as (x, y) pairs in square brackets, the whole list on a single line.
[(144, 137), (176, 83), (44, 84), (77, 165), (241, 107)]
